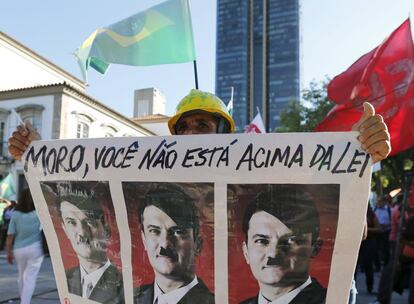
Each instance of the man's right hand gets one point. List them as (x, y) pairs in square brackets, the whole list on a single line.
[(21, 139)]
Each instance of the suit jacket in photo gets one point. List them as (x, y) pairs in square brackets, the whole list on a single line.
[(199, 294), (109, 288), (314, 293)]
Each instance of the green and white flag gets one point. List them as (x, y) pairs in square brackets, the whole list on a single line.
[(230, 104), (162, 34), (8, 187)]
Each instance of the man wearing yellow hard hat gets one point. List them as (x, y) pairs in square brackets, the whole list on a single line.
[(206, 109), (204, 113)]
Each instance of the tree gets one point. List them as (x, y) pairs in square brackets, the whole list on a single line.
[(315, 105), (306, 115)]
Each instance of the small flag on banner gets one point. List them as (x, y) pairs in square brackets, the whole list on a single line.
[(162, 34), (8, 187), (256, 126)]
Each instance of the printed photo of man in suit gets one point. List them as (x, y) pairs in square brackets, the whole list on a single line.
[(281, 230), (170, 232), (84, 216)]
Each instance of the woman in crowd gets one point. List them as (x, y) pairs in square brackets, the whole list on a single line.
[(24, 244)]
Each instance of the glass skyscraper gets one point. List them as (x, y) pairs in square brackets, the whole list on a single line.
[(258, 54)]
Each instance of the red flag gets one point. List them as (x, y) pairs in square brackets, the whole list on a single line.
[(384, 77)]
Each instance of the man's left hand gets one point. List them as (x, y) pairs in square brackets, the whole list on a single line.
[(373, 134)]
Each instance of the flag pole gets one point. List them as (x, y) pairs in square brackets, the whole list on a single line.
[(195, 74)]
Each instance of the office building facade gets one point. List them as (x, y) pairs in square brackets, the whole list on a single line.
[(258, 54)]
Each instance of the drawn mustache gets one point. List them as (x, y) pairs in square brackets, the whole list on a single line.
[(98, 244), (169, 253), (83, 240), (276, 261)]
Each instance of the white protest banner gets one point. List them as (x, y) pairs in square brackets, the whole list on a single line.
[(228, 217)]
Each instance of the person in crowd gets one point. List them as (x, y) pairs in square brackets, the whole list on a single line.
[(405, 266), (7, 214), (383, 213), (368, 248), (84, 218), (395, 219), (24, 245), (170, 230), (281, 228)]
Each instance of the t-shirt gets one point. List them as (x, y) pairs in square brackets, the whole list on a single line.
[(384, 216), (26, 229)]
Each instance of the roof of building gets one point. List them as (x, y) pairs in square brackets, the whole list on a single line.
[(151, 118), (63, 87), (41, 59)]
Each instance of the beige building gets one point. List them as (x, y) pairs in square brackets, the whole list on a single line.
[(32, 89)]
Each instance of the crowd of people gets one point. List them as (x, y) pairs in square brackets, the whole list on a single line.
[(388, 248)]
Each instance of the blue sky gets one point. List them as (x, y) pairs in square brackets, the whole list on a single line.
[(335, 33)]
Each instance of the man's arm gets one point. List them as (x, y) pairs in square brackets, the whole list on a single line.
[(373, 134), (21, 139), (9, 248)]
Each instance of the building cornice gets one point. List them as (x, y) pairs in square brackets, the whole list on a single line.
[(64, 88), (42, 60)]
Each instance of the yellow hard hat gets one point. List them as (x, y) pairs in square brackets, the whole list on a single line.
[(201, 101)]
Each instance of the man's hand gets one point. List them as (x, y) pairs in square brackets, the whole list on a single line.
[(373, 134), (21, 139)]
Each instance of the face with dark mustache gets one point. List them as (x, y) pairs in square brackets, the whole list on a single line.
[(277, 257), (87, 234), (171, 249)]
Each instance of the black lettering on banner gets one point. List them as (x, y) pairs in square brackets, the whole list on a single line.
[(189, 156), (98, 157), (73, 155), (364, 166), (198, 157), (86, 170), (297, 157), (354, 161), (53, 160), (327, 159), (133, 148), (160, 157), (63, 152), (261, 151), (278, 155), (120, 151), (52, 153), (35, 158), (319, 149), (335, 168), (261, 157), (322, 156), (247, 157), (113, 157), (108, 157)]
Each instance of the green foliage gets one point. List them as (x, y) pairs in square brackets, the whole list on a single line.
[(306, 115), (394, 168)]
